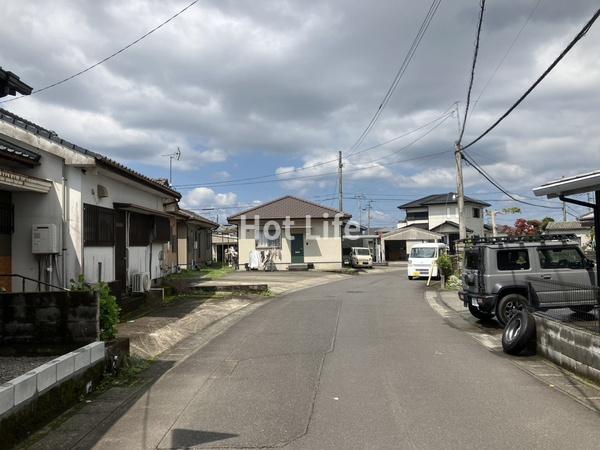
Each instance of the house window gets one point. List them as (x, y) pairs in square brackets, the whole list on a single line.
[(98, 226), (421, 215), (141, 227), (268, 238), (162, 229), (476, 213)]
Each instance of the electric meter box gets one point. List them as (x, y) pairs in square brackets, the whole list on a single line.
[(44, 239)]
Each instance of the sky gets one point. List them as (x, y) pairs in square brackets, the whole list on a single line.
[(261, 95)]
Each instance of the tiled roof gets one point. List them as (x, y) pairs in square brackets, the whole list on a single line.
[(450, 223), (440, 199), (193, 216), (7, 116), (16, 152), (573, 225), (288, 206)]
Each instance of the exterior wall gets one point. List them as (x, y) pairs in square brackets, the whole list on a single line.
[(439, 214), (182, 253), (94, 256), (146, 259), (324, 252)]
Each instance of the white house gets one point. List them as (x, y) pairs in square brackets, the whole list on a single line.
[(438, 213), (65, 211), (295, 232)]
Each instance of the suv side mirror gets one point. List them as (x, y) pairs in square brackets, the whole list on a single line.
[(588, 264)]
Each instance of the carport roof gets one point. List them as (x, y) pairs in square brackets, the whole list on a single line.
[(411, 233), (577, 184)]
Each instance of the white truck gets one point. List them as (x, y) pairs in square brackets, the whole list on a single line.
[(361, 257)]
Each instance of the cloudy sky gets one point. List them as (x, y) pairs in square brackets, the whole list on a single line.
[(252, 91)]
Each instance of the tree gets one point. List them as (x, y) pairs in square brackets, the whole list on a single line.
[(545, 221)]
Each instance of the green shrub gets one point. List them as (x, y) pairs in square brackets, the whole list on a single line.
[(453, 282), (109, 308), (444, 263)]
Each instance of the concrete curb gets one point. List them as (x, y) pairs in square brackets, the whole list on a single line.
[(27, 387)]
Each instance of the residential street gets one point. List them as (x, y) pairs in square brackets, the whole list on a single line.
[(360, 363)]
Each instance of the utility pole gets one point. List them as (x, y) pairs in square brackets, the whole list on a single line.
[(369, 217), (460, 192), (564, 211), (340, 186), (492, 213)]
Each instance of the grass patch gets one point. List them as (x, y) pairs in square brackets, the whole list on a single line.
[(208, 273), (127, 376)]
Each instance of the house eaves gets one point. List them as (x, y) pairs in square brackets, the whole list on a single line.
[(20, 131), (440, 199), (11, 84)]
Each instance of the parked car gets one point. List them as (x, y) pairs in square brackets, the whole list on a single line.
[(504, 274), (361, 257), (422, 257)]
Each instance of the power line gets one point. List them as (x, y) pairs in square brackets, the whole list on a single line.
[(508, 50), (102, 61), (472, 77), (430, 155), (405, 63), (485, 175), (576, 39)]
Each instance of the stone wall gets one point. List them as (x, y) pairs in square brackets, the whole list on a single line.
[(49, 318)]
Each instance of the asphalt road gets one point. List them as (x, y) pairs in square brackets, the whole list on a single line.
[(362, 363)]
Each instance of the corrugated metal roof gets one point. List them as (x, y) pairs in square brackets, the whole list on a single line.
[(288, 206), (440, 199)]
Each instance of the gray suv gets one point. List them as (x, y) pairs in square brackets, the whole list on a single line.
[(504, 274)]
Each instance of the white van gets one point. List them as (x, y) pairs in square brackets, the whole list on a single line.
[(422, 257)]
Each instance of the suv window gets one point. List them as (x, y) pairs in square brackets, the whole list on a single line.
[(472, 260), (513, 259), (560, 258)]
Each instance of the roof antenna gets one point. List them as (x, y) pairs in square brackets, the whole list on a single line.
[(177, 157)]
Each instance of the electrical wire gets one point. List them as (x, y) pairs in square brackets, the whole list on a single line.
[(405, 63), (497, 185), (102, 61), (568, 48), (508, 50), (445, 115), (472, 77)]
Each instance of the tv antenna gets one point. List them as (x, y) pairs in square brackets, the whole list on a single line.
[(172, 156)]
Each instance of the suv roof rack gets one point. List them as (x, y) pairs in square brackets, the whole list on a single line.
[(509, 239)]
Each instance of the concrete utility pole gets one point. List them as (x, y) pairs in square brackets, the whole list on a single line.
[(369, 217), (492, 213), (340, 184), (564, 211), (460, 192)]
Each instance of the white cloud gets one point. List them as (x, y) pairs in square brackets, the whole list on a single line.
[(202, 197)]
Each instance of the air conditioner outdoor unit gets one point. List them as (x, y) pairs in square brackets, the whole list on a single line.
[(140, 282)]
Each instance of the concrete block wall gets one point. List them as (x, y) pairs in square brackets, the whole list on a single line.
[(49, 318), (575, 349), (27, 387)]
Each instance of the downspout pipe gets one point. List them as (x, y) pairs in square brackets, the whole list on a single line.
[(64, 225)]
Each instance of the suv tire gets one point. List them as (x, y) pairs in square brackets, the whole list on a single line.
[(582, 309), (481, 315), (507, 305), (519, 331)]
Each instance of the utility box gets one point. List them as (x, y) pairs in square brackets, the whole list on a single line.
[(44, 239)]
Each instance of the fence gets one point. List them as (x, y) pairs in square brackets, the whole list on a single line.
[(575, 303)]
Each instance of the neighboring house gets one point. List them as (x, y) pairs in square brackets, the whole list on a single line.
[(580, 229), (194, 239), (310, 234), (66, 211), (223, 238), (439, 213), (587, 219)]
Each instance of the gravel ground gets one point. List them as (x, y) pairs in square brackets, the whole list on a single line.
[(13, 366)]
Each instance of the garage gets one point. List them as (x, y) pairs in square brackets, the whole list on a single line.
[(397, 243)]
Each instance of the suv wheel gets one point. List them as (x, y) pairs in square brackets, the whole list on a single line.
[(481, 315), (509, 305), (581, 309)]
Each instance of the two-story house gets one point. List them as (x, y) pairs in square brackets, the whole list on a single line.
[(437, 216)]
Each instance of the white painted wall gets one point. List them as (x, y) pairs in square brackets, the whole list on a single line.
[(324, 252), (95, 255)]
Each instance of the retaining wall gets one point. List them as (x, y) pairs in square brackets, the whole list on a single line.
[(31, 400), (42, 318), (575, 349)]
